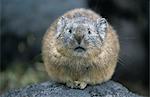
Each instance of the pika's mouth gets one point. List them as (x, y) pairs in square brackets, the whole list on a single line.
[(79, 49)]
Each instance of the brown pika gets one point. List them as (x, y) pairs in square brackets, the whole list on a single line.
[(80, 48)]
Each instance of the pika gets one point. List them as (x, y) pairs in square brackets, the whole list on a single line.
[(80, 48)]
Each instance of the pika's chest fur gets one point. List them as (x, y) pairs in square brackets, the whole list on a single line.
[(72, 70)]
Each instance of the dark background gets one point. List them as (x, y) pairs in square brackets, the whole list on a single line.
[(23, 23)]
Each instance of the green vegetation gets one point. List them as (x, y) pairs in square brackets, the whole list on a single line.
[(19, 75)]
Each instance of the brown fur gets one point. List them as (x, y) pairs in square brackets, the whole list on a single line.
[(98, 67)]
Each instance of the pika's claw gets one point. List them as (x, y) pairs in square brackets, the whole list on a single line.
[(77, 84)]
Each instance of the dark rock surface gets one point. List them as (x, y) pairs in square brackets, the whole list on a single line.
[(51, 89)]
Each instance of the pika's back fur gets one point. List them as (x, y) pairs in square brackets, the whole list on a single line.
[(80, 48)]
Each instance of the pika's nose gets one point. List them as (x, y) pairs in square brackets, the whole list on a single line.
[(79, 36)]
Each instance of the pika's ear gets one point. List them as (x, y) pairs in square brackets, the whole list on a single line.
[(101, 26), (61, 24)]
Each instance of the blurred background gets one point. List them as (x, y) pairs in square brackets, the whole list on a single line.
[(24, 22)]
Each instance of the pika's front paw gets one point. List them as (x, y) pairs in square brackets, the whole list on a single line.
[(76, 84)]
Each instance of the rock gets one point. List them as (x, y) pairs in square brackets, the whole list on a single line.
[(52, 89)]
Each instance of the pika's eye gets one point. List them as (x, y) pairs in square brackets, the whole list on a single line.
[(70, 31), (89, 32)]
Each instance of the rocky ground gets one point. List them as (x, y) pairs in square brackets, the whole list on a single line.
[(52, 89)]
